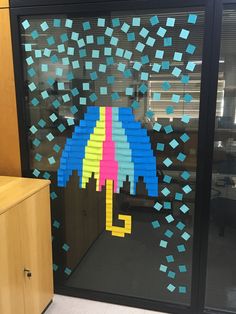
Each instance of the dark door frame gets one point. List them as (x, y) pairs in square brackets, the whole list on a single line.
[(209, 81)]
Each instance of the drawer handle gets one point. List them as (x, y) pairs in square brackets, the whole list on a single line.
[(28, 273)]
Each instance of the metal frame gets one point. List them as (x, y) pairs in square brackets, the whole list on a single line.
[(209, 80)]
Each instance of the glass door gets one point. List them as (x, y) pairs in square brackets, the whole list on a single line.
[(111, 107)]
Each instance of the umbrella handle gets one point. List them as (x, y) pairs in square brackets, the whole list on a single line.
[(116, 231)]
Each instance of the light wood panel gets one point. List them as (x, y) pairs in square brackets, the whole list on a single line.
[(11, 267), (22, 187), (35, 233), (9, 138), (4, 4)]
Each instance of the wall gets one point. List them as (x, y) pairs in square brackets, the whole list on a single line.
[(9, 137)]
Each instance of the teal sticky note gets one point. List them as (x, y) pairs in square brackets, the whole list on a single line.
[(156, 96), (165, 65), (184, 33), (38, 157), (32, 87), (119, 52), (170, 258), (137, 65), (178, 56), (173, 143), (182, 289), (143, 88), (188, 98), (169, 218), (190, 66), (59, 71), (136, 21), (68, 23), (149, 114), (135, 104), (107, 51), (192, 18), (115, 96), (109, 31), (64, 38), (65, 247), (186, 236), (185, 118), (70, 121), (171, 274), (57, 23), (156, 67), (65, 61), (33, 129), (167, 205), (158, 206), (171, 288), (66, 98), (176, 72), (73, 109), (168, 233), (85, 86), (175, 98), (167, 41), (178, 196), (115, 22), (41, 123), (144, 32), (90, 39), (61, 86), (163, 244), (157, 127), (161, 32), (150, 41), (81, 43), (110, 79), (181, 248), (181, 157), (44, 94), (51, 40), (187, 189), (182, 269), (88, 65), (44, 26), (159, 54), (25, 24), (95, 53), (101, 22), (54, 59), (74, 36), (28, 47), (38, 53), (140, 47), (154, 20), (102, 68), (36, 142), (114, 41), (170, 21), (36, 173), (160, 147), (31, 72), (125, 27), (44, 67), (169, 109), (166, 86), (56, 224), (129, 91), (128, 54), (93, 97), (184, 208), (180, 226), (47, 52), (82, 101), (50, 137), (61, 48), (155, 224), (121, 66), (131, 36), (163, 268), (190, 49), (168, 129), (51, 160), (103, 90), (67, 271), (53, 117), (34, 34), (165, 191), (185, 175), (167, 162), (185, 79), (46, 175), (29, 60), (75, 64), (144, 76), (86, 26), (167, 179), (75, 91), (110, 60)]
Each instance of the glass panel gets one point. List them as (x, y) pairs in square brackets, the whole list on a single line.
[(113, 106), (221, 279)]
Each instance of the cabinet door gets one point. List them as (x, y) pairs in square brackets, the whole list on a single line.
[(36, 242), (11, 268)]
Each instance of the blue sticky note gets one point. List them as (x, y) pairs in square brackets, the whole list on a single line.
[(29, 60), (119, 52), (25, 24), (160, 147), (59, 71), (110, 79), (85, 86), (165, 65), (159, 54), (136, 21), (115, 96), (144, 32), (75, 91), (50, 137), (51, 160), (188, 98), (190, 66), (65, 61), (170, 21), (140, 47), (143, 88), (31, 72), (192, 18), (190, 49), (44, 26), (185, 175), (163, 244), (167, 41), (67, 271), (75, 64), (184, 137), (47, 52), (176, 72), (32, 87), (95, 53), (169, 109), (74, 36), (36, 142), (44, 67), (168, 129), (65, 247), (33, 129), (73, 109), (38, 157), (161, 32), (68, 23), (135, 105), (166, 86), (93, 97), (154, 20), (44, 94), (61, 86), (28, 47), (185, 79), (121, 66), (156, 67), (38, 53), (125, 27), (61, 48), (157, 127), (137, 65), (149, 114), (131, 36), (177, 56), (178, 196), (184, 208), (155, 224), (181, 157), (90, 39), (167, 162), (184, 33), (61, 128), (101, 22), (81, 43), (115, 22), (180, 226), (158, 206), (156, 96), (107, 51), (82, 101), (36, 173), (66, 98)]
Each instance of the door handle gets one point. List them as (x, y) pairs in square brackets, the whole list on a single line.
[(28, 273)]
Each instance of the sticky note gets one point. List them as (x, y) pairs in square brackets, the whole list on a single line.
[(135, 104), (131, 36), (47, 52), (93, 76), (185, 79), (33, 129), (66, 98), (187, 189), (25, 24), (86, 26), (171, 274), (156, 96), (51, 160), (75, 64), (110, 79), (166, 86), (156, 67), (182, 289), (140, 47), (44, 94), (68, 23), (161, 32), (31, 72), (190, 66), (121, 67), (167, 205), (93, 97), (173, 143), (36, 173), (170, 21), (165, 191), (154, 20), (178, 196), (115, 96), (61, 86), (181, 157), (136, 21), (168, 129), (32, 87), (81, 43), (181, 248), (163, 244), (177, 56), (167, 41), (116, 22), (44, 26), (34, 34), (185, 118), (169, 109), (170, 258), (57, 23), (176, 72), (184, 208), (160, 147), (144, 32), (128, 54), (185, 175), (137, 65), (192, 18), (143, 88), (186, 236), (158, 206), (41, 123), (74, 109), (125, 27), (114, 41), (61, 128), (67, 271), (190, 49), (36, 142), (102, 68), (109, 31), (184, 33), (157, 127), (155, 224), (38, 157), (129, 91), (180, 225), (159, 54), (65, 61), (38, 53), (165, 65), (167, 162), (103, 90), (29, 60), (175, 98), (169, 218), (119, 52), (171, 287), (144, 76), (101, 22), (182, 269), (163, 268), (149, 114)]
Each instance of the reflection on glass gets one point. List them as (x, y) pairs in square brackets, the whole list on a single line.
[(221, 275), (155, 261)]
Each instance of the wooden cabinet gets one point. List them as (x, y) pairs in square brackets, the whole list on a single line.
[(26, 284)]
